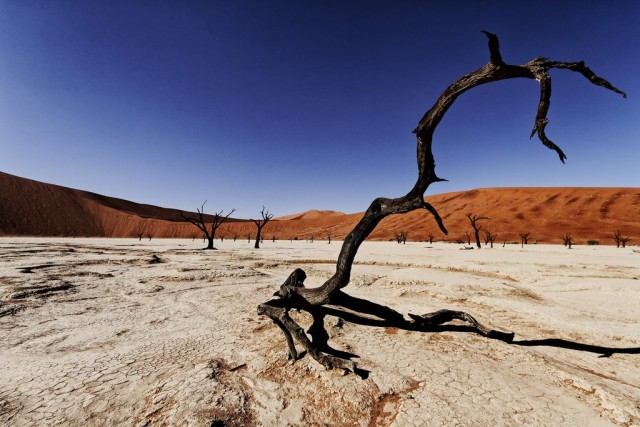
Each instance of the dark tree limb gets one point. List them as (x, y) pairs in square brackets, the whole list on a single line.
[(444, 316), (315, 300)]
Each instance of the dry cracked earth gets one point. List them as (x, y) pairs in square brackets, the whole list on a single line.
[(100, 332)]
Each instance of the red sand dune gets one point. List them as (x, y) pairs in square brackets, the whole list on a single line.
[(31, 208), (312, 214)]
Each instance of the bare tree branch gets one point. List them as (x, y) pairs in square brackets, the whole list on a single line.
[(315, 299)]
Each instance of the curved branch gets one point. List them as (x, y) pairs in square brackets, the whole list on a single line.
[(293, 294), (579, 67), (380, 208)]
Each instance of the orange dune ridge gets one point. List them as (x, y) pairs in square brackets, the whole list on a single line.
[(31, 208)]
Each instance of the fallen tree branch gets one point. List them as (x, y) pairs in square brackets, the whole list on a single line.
[(322, 300)]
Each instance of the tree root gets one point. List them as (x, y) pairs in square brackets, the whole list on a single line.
[(290, 328), (355, 310)]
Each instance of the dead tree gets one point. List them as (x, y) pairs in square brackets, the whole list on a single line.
[(149, 236), (329, 235), (431, 237), (476, 228), (140, 234), (260, 223), (620, 239), (468, 235), (200, 221), (401, 237), (566, 240), (489, 238), (524, 238), (330, 299)]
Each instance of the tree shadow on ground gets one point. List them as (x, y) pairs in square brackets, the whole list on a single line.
[(414, 326)]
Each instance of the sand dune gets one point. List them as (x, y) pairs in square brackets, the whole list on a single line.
[(31, 208), (311, 214)]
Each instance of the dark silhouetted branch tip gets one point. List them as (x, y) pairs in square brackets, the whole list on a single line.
[(494, 48), (436, 215)]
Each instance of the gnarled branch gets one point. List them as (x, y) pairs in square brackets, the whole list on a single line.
[(293, 296)]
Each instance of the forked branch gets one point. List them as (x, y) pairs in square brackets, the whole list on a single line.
[(311, 299)]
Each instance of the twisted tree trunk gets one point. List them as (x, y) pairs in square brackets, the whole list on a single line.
[(329, 298)]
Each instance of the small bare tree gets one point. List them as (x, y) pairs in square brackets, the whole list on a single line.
[(200, 221), (476, 228), (329, 235), (620, 239), (566, 240), (489, 238), (260, 223), (139, 234), (524, 238), (149, 236), (401, 237), (468, 235), (431, 237)]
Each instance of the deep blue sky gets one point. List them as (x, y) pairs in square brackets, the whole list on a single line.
[(300, 105)]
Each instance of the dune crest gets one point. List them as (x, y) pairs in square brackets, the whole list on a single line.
[(32, 208)]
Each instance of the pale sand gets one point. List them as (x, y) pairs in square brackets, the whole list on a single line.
[(129, 341)]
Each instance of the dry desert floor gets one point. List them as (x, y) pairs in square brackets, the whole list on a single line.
[(121, 332)]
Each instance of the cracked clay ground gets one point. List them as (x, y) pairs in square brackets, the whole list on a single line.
[(106, 332)]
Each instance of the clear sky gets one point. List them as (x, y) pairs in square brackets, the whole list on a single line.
[(301, 105)]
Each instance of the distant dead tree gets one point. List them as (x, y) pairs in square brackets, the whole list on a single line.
[(139, 234), (311, 238), (566, 240), (620, 239), (201, 222), (260, 223), (489, 238), (234, 236), (330, 299), (329, 234), (431, 237), (273, 238), (468, 235), (524, 238), (149, 236), (248, 237), (473, 219), (401, 237)]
